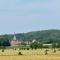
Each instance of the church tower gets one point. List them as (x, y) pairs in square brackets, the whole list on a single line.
[(14, 42), (14, 38)]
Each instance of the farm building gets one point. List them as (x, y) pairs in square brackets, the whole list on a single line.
[(47, 45)]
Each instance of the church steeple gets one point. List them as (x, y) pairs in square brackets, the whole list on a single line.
[(14, 38)]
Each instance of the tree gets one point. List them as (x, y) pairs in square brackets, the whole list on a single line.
[(54, 46), (58, 45), (34, 45), (4, 42), (40, 45)]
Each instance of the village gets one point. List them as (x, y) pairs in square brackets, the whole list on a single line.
[(15, 42)]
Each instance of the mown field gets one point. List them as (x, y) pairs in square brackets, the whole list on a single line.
[(39, 54)]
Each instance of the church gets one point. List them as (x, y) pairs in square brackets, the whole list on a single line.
[(14, 41)]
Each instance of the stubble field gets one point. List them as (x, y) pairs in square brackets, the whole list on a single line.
[(30, 55), (36, 57)]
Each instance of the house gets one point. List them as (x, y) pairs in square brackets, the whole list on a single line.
[(33, 41), (27, 42)]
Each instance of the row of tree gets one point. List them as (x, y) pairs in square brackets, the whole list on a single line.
[(36, 45)]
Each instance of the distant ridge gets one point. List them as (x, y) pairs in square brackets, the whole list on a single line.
[(51, 34)]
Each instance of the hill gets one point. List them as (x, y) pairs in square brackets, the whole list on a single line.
[(44, 35)]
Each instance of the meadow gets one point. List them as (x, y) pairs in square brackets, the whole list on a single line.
[(38, 54)]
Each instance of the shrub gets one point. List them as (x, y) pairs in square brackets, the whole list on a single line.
[(2, 50), (24, 48), (14, 48), (19, 53), (58, 49), (46, 52), (27, 48), (54, 50)]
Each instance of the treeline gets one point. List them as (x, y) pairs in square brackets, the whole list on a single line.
[(37, 45), (44, 36), (48, 36), (4, 42), (52, 35)]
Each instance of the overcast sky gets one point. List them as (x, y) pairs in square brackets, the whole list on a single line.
[(29, 15)]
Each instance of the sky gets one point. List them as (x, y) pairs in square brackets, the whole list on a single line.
[(29, 15)]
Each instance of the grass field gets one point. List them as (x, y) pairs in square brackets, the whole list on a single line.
[(29, 55)]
